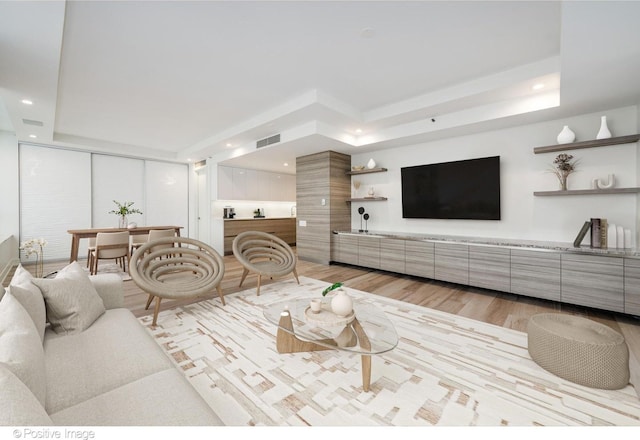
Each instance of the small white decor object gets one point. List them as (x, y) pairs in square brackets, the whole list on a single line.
[(604, 132), (315, 305), (620, 237), (371, 164), (627, 239), (610, 181), (371, 193), (594, 183), (341, 303), (132, 225), (612, 236), (566, 136)]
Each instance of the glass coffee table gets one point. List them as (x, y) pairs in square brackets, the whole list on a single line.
[(367, 331)]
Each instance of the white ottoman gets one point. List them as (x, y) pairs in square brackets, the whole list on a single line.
[(580, 350)]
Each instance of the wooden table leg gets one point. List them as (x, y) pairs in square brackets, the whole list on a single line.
[(366, 359), (75, 244), (287, 342)]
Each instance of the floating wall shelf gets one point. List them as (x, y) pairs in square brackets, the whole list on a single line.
[(589, 144), (368, 199), (584, 192), (366, 171)]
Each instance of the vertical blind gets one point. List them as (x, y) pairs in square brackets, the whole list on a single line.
[(120, 179), (55, 196), (63, 189)]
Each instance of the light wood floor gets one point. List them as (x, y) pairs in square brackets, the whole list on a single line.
[(507, 310)]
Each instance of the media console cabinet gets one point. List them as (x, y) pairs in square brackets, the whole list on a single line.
[(607, 279)]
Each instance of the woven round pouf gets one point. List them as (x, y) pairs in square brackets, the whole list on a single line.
[(580, 350)]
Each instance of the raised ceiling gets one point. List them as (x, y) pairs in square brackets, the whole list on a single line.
[(183, 80)]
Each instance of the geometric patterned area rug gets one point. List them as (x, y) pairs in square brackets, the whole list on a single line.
[(447, 370)]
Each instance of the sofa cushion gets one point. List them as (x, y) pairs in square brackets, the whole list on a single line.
[(20, 346), (114, 351), (72, 302), (162, 399), (30, 297), (18, 405)]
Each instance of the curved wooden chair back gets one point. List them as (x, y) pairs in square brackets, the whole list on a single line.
[(264, 254), (176, 267)]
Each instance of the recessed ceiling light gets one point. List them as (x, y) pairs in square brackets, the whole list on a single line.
[(285, 164), (33, 136), (367, 32), (358, 130), (538, 86), (229, 144), (27, 102)]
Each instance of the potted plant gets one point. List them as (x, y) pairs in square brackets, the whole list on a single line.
[(124, 210)]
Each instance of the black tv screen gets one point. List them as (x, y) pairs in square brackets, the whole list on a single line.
[(464, 189)]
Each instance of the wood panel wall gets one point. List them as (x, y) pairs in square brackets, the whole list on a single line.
[(321, 176)]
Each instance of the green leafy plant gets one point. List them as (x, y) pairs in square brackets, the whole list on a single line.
[(330, 288), (124, 209)]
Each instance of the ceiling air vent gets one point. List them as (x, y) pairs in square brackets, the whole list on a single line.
[(200, 164), (32, 122), (268, 141)]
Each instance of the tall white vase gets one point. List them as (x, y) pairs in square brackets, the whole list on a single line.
[(604, 132), (566, 136)]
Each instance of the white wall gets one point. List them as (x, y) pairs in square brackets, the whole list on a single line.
[(9, 202), (556, 219)]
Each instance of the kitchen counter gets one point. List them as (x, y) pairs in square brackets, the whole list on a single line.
[(256, 218), (282, 227)]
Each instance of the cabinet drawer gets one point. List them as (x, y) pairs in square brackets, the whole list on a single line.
[(452, 262), (392, 255), (632, 286), (593, 281), (347, 249), (535, 274), (419, 258), (490, 268), (369, 252)]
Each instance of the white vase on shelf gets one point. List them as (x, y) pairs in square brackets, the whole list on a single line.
[(566, 136), (604, 132), (620, 237), (371, 164), (612, 236)]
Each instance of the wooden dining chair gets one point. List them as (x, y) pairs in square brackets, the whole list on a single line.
[(111, 246)]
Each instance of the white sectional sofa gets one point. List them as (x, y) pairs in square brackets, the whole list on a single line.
[(71, 355)]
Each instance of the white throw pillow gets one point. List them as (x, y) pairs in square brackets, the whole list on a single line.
[(18, 405), (71, 300), (30, 297), (20, 347), (33, 302)]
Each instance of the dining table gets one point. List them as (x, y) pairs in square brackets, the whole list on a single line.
[(78, 234)]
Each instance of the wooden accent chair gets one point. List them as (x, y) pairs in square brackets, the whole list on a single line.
[(176, 268), (265, 254), (110, 246)]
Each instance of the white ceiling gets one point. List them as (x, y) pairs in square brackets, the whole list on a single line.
[(180, 80)]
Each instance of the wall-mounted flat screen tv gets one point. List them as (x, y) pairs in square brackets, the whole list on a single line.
[(464, 189)]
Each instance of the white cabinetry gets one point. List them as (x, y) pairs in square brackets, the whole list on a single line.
[(246, 184)]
